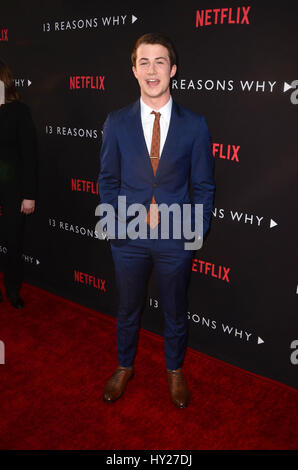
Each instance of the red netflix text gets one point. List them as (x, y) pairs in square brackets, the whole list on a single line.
[(230, 15), (3, 34), (227, 152), (84, 186), (210, 269), (87, 81), (90, 280)]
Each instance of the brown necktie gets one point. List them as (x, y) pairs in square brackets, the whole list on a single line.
[(153, 216)]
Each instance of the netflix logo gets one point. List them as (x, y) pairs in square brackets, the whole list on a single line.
[(84, 186), (4, 35), (210, 269), (87, 81), (232, 15), (226, 152), (89, 280)]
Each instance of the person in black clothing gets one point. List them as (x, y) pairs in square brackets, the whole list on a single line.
[(18, 181)]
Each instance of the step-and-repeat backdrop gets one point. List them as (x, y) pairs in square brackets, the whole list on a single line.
[(237, 66)]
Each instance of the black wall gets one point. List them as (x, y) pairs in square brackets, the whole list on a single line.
[(240, 71)]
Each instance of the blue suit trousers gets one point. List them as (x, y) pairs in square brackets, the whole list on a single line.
[(133, 263)]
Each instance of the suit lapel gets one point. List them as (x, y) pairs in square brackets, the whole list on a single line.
[(135, 132), (172, 139)]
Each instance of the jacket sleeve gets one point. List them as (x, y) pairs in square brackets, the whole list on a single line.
[(28, 150), (109, 179), (202, 173)]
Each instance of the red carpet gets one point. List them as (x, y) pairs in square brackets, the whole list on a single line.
[(58, 356)]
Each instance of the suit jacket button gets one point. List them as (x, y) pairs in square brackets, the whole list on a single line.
[(154, 185)]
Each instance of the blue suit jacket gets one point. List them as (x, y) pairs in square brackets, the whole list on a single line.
[(186, 160)]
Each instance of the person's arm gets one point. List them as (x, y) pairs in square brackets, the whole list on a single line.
[(27, 144), (202, 173), (110, 170), (109, 179)]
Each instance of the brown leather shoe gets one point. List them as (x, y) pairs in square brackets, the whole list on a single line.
[(116, 384), (178, 388)]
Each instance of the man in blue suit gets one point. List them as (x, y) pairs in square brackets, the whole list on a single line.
[(154, 152)]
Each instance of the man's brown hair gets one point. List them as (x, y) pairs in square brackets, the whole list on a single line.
[(155, 38)]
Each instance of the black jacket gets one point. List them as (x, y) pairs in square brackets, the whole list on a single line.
[(18, 149)]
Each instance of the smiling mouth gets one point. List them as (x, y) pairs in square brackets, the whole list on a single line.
[(152, 82)]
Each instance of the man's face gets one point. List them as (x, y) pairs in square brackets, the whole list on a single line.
[(153, 70)]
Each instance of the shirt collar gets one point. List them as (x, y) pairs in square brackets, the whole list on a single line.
[(165, 111)]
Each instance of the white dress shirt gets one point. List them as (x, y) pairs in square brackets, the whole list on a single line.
[(148, 120)]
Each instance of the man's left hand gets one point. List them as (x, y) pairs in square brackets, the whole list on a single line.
[(28, 206)]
